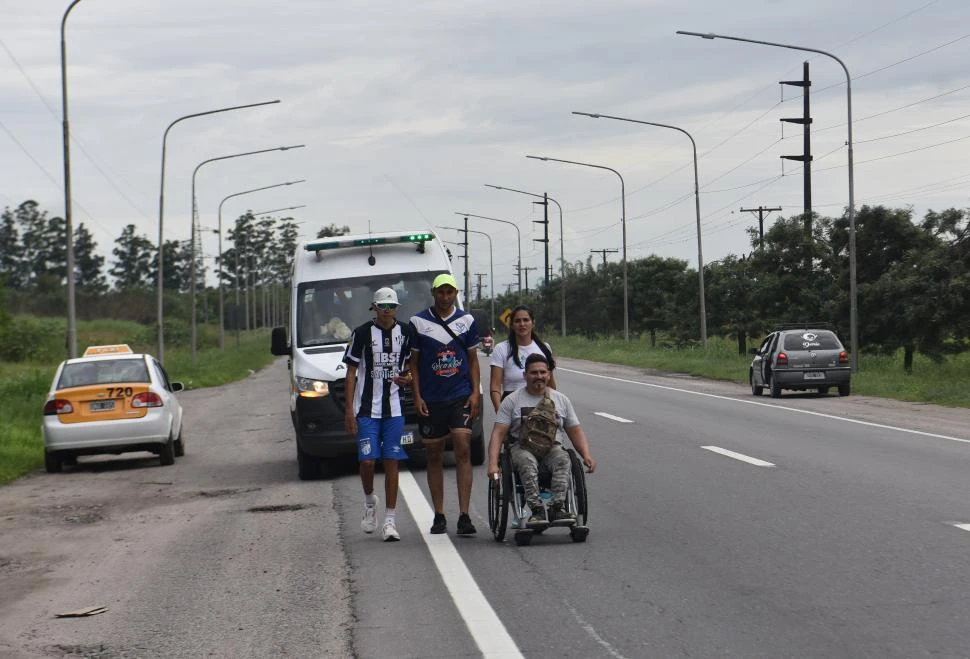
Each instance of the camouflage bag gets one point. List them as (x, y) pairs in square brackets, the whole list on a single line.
[(539, 428)]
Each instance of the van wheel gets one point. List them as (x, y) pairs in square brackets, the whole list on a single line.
[(478, 450), (823, 390), (844, 389), (167, 455), (308, 467), (775, 388), (52, 463), (755, 389)]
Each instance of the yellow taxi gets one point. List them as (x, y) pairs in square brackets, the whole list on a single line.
[(111, 400)]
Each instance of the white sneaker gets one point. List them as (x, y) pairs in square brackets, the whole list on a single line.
[(368, 522), (388, 531)]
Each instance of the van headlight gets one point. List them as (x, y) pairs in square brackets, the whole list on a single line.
[(311, 388)]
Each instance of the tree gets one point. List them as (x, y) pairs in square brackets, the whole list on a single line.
[(132, 267), (332, 230), (88, 264), (11, 251), (34, 241)]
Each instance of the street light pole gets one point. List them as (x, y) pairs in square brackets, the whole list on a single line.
[(222, 339), (626, 290), (697, 211), (161, 217), (517, 233), (192, 275), (562, 250), (853, 291), (491, 266), (68, 223)]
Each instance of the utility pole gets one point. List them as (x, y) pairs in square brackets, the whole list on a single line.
[(545, 235), (761, 211), (478, 286), (468, 298), (806, 158), (604, 252), (526, 270)]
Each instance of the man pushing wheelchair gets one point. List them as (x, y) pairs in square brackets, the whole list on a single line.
[(533, 418)]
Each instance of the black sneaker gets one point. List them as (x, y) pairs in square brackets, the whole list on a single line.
[(465, 526), (560, 516), (439, 525)]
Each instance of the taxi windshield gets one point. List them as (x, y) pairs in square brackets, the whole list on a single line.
[(103, 371), (329, 310)]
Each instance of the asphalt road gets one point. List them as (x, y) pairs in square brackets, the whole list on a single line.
[(847, 545)]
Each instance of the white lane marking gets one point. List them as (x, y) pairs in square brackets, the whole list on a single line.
[(739, 456), (770, 405), (588, 628), (614, 418), (488, 631), (965, 527)]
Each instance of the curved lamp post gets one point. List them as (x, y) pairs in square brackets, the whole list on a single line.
[(236, 250), (161, 217), (562, 248), (68, 224), (195, 213), (517, 233), (853, 293), (697, 210), (626, 293)]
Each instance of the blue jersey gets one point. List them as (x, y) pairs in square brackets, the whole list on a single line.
[(443, 362)]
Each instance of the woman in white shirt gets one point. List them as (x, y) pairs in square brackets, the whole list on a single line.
[(508, 357)]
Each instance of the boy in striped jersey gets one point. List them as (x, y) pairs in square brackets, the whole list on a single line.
[(374, 411)]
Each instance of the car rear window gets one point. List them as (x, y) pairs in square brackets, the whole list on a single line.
[(103, 371), (812, 340)]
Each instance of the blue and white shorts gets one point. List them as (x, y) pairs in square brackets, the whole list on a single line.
[(381, 438)]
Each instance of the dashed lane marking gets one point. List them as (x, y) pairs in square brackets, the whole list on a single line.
[(965, 527), (612, 417), (739, 456)]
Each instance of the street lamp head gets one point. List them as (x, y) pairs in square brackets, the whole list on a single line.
[(702, 35), (543, 158), (592, 115), (497, 187)]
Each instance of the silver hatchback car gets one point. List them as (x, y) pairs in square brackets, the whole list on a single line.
[(800, 358)]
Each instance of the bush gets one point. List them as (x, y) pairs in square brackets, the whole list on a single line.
[(36, 339)]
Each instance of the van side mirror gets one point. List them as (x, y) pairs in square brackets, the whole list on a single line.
[(278, 342)]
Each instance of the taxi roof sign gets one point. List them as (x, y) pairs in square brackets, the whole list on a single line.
[(115, 349)]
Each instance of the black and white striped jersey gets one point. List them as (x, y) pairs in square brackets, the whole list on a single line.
[(379, 354)]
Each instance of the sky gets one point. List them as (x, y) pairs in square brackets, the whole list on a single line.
[(407, 110)]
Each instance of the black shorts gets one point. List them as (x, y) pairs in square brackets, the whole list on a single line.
[(444, 417)]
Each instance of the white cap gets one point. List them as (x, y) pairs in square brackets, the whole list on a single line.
[(385, 296)]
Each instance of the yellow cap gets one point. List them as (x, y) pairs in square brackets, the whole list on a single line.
[(444, 279)]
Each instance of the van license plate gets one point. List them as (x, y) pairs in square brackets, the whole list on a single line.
[(102, 405), (814, 375)]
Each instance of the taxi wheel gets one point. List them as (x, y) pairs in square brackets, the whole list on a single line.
[(179, 446), (167, 455), (52, 463)]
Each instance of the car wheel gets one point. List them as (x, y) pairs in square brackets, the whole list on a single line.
[(755, 389), (478, 450), (844, 389), (775, 388), (52, 463), (167, 455), (179, 445), (308, 467)]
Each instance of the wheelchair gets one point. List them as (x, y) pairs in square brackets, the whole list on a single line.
[(507, 508)]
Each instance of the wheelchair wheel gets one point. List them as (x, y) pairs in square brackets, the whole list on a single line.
[(500, 498), (579, 488)]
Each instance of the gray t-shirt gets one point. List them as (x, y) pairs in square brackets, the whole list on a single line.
[(520, 402)]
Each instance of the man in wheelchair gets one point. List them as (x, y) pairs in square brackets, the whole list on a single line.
[(535, 431)]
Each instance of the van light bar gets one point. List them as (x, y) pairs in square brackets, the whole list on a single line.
[(319, 245)]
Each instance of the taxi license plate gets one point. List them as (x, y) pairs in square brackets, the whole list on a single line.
[(102, 405), (814, 375), (407, 438)]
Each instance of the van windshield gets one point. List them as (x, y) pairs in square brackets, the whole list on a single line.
[(329, 310)]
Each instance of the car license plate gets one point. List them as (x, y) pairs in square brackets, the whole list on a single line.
[(102, 405), (814, 375), (407, 438)]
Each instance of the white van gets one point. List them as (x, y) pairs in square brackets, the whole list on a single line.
[(333, 284)]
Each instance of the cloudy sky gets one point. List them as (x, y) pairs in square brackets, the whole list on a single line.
[(407, 110)]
